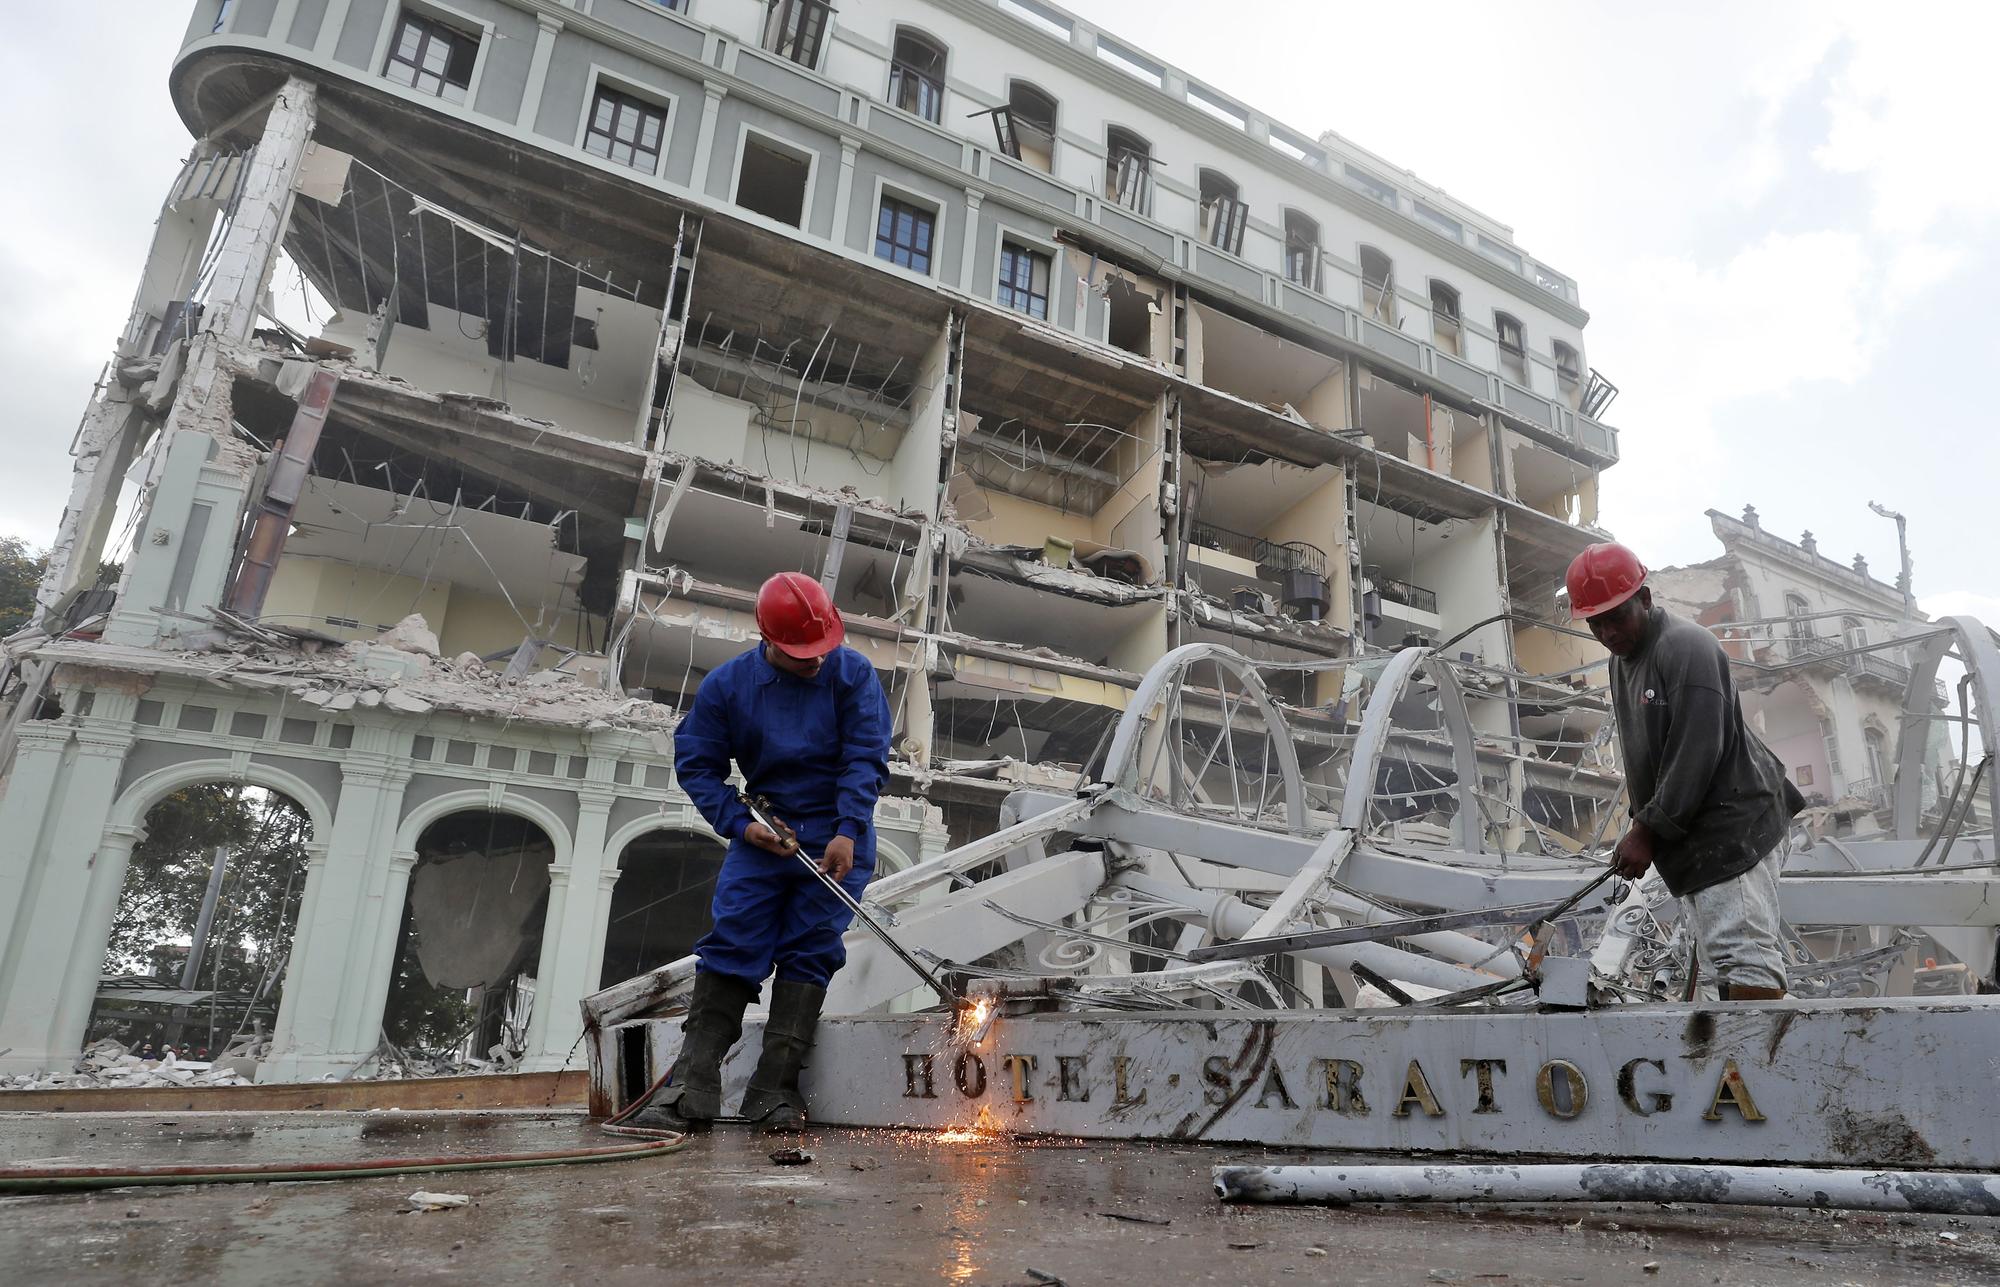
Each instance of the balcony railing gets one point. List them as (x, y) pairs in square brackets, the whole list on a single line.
[(1873, 665), (1807, 647), (1393, 590), (1273, 558)]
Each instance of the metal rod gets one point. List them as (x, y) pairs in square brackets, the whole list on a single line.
[(760, 810), (1930, 1192), (1374, 932)]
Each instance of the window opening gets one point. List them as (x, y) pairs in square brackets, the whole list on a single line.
[(903, 234), (625, 130), (1024, 280), (432, 58), (795, 29), (916, 75)]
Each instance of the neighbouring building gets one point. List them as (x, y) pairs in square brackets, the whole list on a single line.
[(1832, 712), (1046, 356)]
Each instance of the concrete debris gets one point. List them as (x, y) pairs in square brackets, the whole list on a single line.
[(374, 674), (792, 1157), (423, 1200), (411, 634), (109, 1064)]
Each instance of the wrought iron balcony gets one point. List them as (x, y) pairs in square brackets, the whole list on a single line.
[(1402, 592), (1273, 558)]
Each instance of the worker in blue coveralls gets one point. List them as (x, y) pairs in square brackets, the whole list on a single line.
[(807, 723)]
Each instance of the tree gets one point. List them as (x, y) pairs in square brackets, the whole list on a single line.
[(21, 568), (256, 913)]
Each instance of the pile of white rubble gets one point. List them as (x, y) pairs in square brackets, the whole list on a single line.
[(109, 1064)]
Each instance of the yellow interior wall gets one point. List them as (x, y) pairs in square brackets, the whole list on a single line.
[(1321, 519), (1326, 405), (1144, 643), (1140, 457), (1544, 652), (483, 623), (305, 591), (1025, 522), (1472, 457)]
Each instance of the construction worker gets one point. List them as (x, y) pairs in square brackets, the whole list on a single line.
[(1710, 803), (807, 723)]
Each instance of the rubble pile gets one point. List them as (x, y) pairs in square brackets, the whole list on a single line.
[(403, 670), (110, 1065)]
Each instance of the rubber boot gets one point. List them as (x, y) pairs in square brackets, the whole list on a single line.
[(693, 1100), (1746, 992), (774, 1098)]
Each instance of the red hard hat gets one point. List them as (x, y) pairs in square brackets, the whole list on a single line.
[(796, 615), (1602, 577)]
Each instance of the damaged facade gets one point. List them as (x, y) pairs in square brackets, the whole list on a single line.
[(1807, 633), (1046, 358)]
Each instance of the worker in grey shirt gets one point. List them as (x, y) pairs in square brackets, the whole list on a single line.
[(1710, 803)]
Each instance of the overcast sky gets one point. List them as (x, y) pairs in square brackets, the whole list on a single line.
[(1780, 217)]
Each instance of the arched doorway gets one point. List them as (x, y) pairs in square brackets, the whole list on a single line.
[(471, 938), (206, 914), (660, 905)]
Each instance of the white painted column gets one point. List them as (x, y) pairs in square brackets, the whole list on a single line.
[(250, 248), (843, 191), (384, 926), (329, 29), (970, 252), (704, 143), (332, 966), (93, 934), (573, 936), (33, 982), (546, 31)]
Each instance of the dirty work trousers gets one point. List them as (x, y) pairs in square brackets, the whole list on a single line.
[(770, 913), (1736, 926)]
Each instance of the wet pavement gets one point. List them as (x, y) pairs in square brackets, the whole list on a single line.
[(873, 1206)]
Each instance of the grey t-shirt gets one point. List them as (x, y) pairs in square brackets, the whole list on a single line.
[(1713, 795)]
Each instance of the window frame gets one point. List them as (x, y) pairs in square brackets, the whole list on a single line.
[(1226, 215), (1572, 374), (773, 8), (1519, 346), (1314, 261), (457, 21), (1043, 256), (1387, 295), (903, 74), (1147, 159), (886, 195), (1007, 125), (777, 143), (666, 105)]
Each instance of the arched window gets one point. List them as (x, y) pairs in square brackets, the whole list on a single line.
[(916, 75), (1447, 323), (1301, 250), (1378, 285), (1222, 212), (1026, 127), (1513, 340), (1878, 756), (1569, 363), (1799, 610), (1128, 169)]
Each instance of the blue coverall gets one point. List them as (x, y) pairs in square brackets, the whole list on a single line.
[(819, 750)]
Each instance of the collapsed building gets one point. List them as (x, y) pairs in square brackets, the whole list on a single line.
[(1047, 358)]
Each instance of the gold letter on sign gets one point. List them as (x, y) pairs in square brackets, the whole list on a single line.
[(970, 1074), (1021, 1066), (1070, 1085), (1578, 1089), (1731, 1089), (1416, 1090), (1343, 1087), (1484, 1067)]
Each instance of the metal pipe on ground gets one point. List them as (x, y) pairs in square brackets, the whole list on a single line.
[(1922, 1192)]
